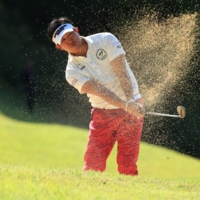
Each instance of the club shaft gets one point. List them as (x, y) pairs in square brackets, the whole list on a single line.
[(161, 114)]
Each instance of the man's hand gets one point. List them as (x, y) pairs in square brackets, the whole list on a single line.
[(136, 109)]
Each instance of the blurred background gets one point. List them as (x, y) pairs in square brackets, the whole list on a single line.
[(162, 43)]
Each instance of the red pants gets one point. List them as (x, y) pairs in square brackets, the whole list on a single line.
[(107, 127)]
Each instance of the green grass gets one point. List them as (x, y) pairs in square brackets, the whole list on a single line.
[(34, 183), (44, 161)]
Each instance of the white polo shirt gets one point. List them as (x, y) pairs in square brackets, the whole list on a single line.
[(102, 49)]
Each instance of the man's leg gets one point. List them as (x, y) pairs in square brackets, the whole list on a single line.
[(128, 138), (102, 137)]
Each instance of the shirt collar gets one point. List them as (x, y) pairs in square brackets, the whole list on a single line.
[(89, 42)]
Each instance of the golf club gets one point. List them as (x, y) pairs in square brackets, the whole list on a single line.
[(180, 109)]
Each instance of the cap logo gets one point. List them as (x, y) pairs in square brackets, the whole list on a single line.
[(59, 30)]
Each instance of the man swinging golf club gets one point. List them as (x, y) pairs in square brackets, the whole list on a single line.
[(97, 66)]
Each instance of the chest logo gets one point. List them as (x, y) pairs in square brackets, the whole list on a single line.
[(101, 54)]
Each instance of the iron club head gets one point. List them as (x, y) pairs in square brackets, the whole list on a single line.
[(181, 111)]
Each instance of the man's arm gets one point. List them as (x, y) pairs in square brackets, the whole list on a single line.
[(92, 87), (119, 67)]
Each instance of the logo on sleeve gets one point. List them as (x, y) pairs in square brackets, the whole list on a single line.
[(101, 54), (81, 66), (117, 44), (74, 82)]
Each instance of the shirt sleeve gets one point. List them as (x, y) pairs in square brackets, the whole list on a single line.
[(76, 79), (113, 46)]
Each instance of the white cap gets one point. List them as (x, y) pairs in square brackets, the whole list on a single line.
[(60, 31)]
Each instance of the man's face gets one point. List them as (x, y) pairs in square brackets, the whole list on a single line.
[(71, 42)]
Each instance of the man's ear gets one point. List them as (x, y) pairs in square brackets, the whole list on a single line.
[(58, 47), (76, 29)]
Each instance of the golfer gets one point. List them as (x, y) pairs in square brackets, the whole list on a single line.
[(97, 66)]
